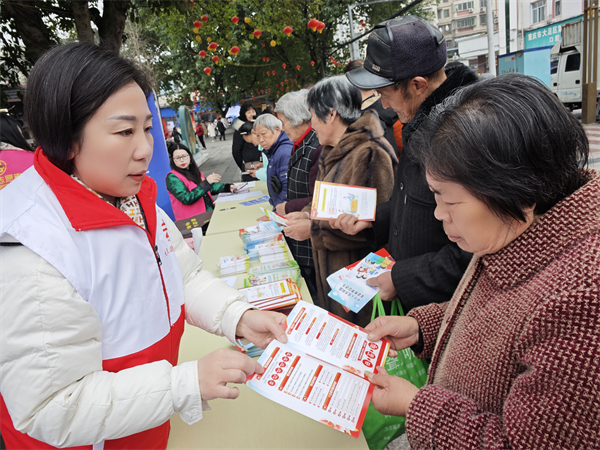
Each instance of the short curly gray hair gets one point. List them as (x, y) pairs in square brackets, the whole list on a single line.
[(335, 93), (294, 107)]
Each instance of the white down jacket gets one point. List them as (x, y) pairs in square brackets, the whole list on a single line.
[(61, 395)]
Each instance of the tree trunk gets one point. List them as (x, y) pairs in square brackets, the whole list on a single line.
[(112, 24), (32, 30), (81, 15)]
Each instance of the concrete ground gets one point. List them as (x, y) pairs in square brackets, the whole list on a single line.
[(217, 158)]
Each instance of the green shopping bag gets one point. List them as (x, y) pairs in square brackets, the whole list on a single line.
[(380, 429)]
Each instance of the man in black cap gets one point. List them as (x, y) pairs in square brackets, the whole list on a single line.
[(405, 64)]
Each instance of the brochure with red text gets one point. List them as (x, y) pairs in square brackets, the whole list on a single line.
[(320, 372), (331, 200)]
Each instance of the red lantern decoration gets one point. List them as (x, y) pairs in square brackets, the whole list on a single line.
[(207, 71), (215, 59), (312, 24), (235, 19), (312, 63), (257, 33), (283, 65), (235, 50), (288, 31), (268, 73), (320, 27), (298, 67), (204, 18), (197, 23), (213, 46), (202, 53), (262, 43), (253, 98)]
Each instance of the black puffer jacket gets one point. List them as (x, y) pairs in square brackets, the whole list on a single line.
[(428, 266)]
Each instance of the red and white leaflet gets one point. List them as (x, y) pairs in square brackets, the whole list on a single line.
[(323, 335), (313, 388)]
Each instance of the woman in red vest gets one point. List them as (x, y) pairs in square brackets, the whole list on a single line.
[(190, 191), (97, 281)]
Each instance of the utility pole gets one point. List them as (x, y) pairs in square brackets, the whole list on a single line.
[(589, 69), (490, 37)]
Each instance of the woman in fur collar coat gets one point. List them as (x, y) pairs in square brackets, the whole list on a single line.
[(355, 152)]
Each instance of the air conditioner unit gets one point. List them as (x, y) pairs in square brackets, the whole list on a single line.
[(495, 20), (470, 10), (482, 9)]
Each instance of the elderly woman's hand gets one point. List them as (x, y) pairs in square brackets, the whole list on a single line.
[(392, 395), (297, 215), (349, 224), (401, 331), (261, 327), (298, 229), (280, 209)]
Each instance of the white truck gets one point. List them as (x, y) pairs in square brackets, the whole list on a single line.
[(566, 63)]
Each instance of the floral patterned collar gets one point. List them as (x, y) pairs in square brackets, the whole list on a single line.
[(129, 205)]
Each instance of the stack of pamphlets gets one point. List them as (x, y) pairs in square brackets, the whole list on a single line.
[(231, 265), (267, 273), (263, 233), (272, 252), (275, 296), (320, 371), (251, 248), (349, 284), (260, 233)]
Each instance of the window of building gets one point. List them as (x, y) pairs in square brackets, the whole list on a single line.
[(573, 62), (538, 11), (483, 19), (464, 6), (439, 14), (465, 23), (557, 8)]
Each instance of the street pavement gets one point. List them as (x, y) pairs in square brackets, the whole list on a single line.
[(593, 134), (217, 158)]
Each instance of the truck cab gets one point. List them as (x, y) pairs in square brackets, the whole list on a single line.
[(565, 74)]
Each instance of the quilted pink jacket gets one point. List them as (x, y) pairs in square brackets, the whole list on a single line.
[(516, 352)]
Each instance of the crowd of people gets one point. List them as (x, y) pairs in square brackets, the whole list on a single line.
[(483, 201)]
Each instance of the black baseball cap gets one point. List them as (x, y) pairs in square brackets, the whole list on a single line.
[(400, 48)]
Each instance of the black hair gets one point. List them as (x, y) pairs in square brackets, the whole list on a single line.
[(10, 132), (508, 141), (66, 87), (243, 109), (192, 172), (246, 128), (335, 93)]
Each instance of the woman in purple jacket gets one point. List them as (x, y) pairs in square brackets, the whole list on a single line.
[(278, 148)]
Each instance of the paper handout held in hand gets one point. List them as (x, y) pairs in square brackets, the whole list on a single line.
[(331, 200), (320, 372)]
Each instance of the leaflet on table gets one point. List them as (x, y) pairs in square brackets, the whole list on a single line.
[(237, 197), (320, 371), (350, 287), (331, 200), (275, 217), (263, 199), (255, 280)]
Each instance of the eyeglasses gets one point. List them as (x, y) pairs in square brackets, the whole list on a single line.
[(181, 158)]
